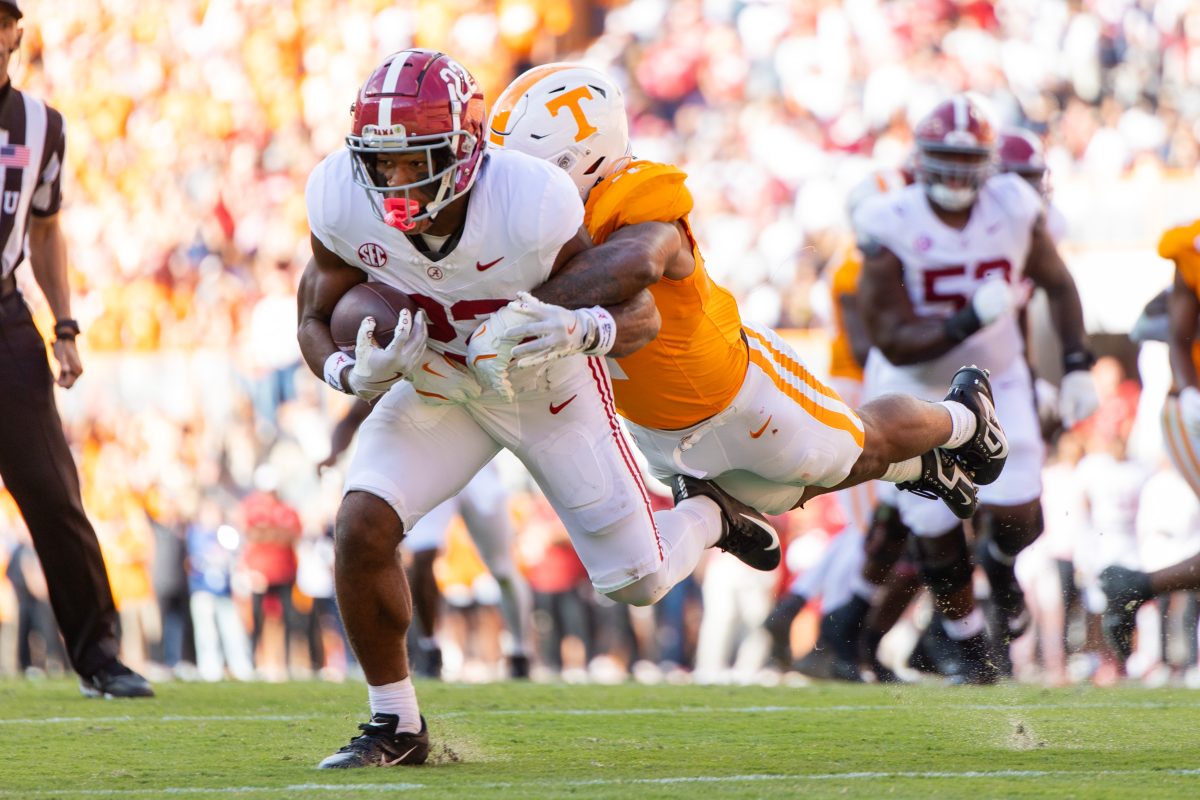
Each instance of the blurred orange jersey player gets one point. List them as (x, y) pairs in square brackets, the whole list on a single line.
[(1181, 413)]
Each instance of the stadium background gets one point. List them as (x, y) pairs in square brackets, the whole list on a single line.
[(192, 127)]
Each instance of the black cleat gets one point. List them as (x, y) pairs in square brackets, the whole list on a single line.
[(976, 665), (1009, 614), (822, 664), (943, 479), (983, 456), (745, 532), (518, 667), (115, 680), (380, 746), (1126, 590)]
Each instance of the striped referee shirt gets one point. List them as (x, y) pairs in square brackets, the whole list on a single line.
[(32, 143)]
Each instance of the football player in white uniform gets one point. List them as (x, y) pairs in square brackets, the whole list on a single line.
[(413, 201), (483, 507), (945, 263)]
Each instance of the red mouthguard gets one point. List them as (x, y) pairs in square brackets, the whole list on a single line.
[(399, 212)]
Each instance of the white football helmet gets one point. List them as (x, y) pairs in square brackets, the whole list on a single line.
[(569, 114)]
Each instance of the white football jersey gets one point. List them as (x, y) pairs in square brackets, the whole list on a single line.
[(944, 266), (521, 211)]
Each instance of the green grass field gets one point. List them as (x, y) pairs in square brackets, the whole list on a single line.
[(526, 741)]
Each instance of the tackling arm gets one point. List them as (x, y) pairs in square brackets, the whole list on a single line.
[(1046, 269), (630, 260), (890, 320), (638, 322), (1183, 306)]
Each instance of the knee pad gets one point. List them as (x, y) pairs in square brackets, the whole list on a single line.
[(945, 562), (645, 591)]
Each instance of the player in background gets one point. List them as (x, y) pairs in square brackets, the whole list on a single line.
[(1126, 589), (709, 397), (414, 201), (837, 578), (483, 506), (944, 261)]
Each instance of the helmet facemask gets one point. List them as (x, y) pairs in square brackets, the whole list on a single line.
[(953, 175), (403, 205)]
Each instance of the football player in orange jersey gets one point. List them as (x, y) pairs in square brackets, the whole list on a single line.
[(715, 405), (1126, 588)]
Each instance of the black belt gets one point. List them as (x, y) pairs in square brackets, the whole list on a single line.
[(8, 285)]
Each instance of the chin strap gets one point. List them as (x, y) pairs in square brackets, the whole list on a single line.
[(399, 212)]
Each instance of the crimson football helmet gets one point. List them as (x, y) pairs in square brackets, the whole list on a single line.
[(955, 147), (423, 102), (1019, 151)]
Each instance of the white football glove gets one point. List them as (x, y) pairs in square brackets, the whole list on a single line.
[(377, 368), (556, 332), (438, 380), (1189, 410), (489, 351), (1077, 399), (1045, 395), (993, 300)]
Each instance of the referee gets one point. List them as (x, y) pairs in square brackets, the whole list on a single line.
[(35, 463)]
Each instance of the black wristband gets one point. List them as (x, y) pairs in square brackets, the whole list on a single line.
[(1077, 360), (66, 328), (962, 324)]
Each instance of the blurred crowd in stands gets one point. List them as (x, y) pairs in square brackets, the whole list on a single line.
[(192, 126)]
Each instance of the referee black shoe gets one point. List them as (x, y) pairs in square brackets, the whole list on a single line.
[(380, 746), (942, 478), (745, 532), (115, 680), (984, 455)]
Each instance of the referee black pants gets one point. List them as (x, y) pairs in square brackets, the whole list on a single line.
[(37, 468)]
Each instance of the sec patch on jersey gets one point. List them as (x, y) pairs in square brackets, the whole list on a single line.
[(370, 299)]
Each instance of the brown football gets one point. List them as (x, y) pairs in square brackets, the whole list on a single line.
[(370, 299)]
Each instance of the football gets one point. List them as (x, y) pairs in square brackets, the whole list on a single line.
[(370, 299)]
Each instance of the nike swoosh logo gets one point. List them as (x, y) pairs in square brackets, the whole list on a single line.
[(554, 409), (383, 762), (431, 370), (759, 432), (489, 265), (485, 357), (571, 329), (767, 528)]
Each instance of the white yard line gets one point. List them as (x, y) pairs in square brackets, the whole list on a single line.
[(542, 784), (611, 712)]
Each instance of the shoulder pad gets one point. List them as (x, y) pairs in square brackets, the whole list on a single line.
[(644, 191), (1175, 242)]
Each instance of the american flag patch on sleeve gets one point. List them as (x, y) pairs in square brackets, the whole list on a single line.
[(14, 155)]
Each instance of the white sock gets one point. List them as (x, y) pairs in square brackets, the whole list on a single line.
[(962, 422), (399, 698), (514, 607), (965, 628), (704, 515), (903, 471)]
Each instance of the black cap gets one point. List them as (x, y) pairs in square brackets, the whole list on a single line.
[(12, 6)]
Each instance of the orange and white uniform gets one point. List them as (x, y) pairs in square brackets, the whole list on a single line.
[(711, 396), (846, 374), (1182, 245)]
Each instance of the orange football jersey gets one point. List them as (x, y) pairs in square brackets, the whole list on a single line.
[(696, 365), (843, 281), (1182, 245)]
